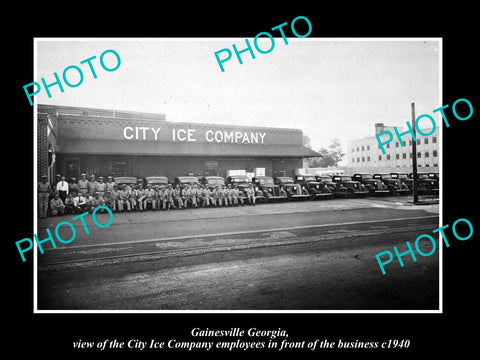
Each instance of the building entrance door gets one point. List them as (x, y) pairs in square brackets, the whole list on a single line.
[(71, 168)]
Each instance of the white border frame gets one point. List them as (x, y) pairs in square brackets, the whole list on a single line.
[(35, 200)]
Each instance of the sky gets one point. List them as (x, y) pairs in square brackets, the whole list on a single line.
[(328, 88)]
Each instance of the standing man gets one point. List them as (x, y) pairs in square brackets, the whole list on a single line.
[(43, 195), (62, 189), (101, 187), (55, 182), (83, 184), (109, 184), (73, 187), (92, 186)]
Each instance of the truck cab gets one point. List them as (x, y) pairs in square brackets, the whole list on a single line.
[(268, 187), (315, 189), (354, 188), (294, 191)]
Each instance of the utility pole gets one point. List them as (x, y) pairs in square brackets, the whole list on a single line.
[(414, 158)]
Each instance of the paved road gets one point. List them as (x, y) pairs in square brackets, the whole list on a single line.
[(297, 256)]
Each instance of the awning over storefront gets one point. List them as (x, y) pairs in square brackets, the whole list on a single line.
[(121, 147)]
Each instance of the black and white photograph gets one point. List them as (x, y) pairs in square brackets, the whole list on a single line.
[(253, 181), (299, 181)]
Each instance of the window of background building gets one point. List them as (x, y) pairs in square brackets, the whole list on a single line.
[(368, 147), (404, 156), (397, 156), (358, 159), (353, 160), (358, 149), (363, 158), (418, 142), (435, 164), (425, 141), (419, 155), (427, 154), (410, 155), (353, 149), (379, 157), (388, 146), (363, 148), (388, 157), (397, 144), (435, 153), (410, 142), (368, 158), (434, 139)]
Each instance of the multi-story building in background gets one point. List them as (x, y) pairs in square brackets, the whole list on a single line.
[(366, 155)]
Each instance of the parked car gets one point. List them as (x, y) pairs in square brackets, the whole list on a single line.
[(338, 190), (212, 181), (126, 180), (315, 189), (243, 182), (435, 176), (268, 187), (294, 191), (426, 185), (395, 186), (399, 175), (155, 180), (354, 188), (374, 186), (185, 180)]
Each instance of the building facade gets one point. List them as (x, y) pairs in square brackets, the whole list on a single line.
[(75, 140), (365, 154)]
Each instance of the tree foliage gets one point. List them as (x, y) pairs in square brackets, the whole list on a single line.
[(331, 156)]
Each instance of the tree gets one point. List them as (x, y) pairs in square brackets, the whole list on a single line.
[(306, 141), (336, 151), (331, 156)]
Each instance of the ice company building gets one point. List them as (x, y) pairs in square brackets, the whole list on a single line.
[(75, 140)]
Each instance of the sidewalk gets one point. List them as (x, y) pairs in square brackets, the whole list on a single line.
[(144, 217)]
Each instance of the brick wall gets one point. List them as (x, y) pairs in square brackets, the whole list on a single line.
[(42, 145), (47, 127)]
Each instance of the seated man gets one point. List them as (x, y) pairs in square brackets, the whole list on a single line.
[(79, 204), (109, 202), (237, 195), (123, 199), (56, 205), (149, 200), (69, 204), (97, 200), (251, 194)]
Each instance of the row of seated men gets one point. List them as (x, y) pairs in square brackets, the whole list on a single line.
[(128, 198)]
